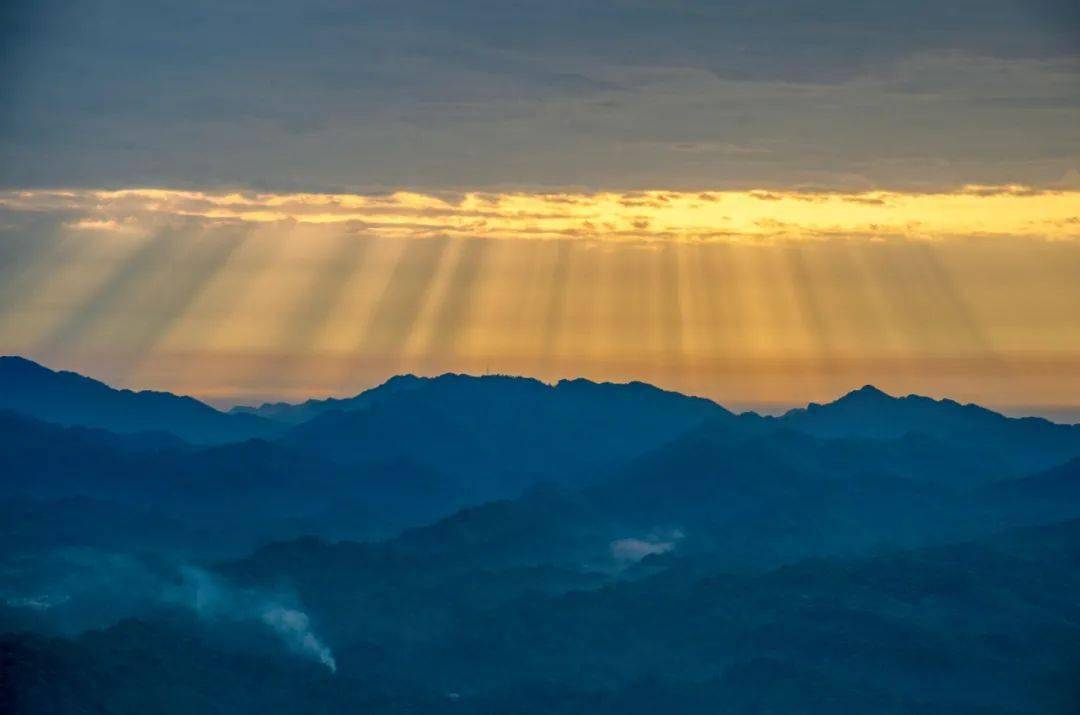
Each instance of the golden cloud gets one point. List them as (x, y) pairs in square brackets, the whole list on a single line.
[(755, 215)]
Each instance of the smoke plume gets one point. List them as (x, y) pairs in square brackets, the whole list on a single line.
[(211, 598)]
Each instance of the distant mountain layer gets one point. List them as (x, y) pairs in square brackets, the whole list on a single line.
[(647, 458), (70, 399), (503, 433), (1024, 443), (298, 413)]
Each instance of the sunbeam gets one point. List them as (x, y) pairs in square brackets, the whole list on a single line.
[(452, 326), (143, 267), (554, 315), (667, 310), (808, 302), (397, 311), (168, 303)]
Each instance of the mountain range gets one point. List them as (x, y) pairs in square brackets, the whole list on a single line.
[(494, 544)]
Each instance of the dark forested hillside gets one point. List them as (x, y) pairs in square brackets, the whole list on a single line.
[(989, 626)]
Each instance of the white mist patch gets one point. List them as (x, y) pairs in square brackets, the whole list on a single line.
[(634, 549), (209, 597)]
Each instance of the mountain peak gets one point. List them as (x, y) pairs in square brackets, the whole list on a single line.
[(15, 362), (865, 393)]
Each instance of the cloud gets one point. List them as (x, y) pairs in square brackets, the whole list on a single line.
[(651, 216), (627, 95)]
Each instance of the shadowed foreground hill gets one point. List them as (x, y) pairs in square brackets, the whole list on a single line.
[(990, 626)]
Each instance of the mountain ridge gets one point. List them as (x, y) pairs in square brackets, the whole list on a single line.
[(71, 399), (14, 367)]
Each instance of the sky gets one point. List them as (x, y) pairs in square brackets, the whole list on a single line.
[(766, 203)]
